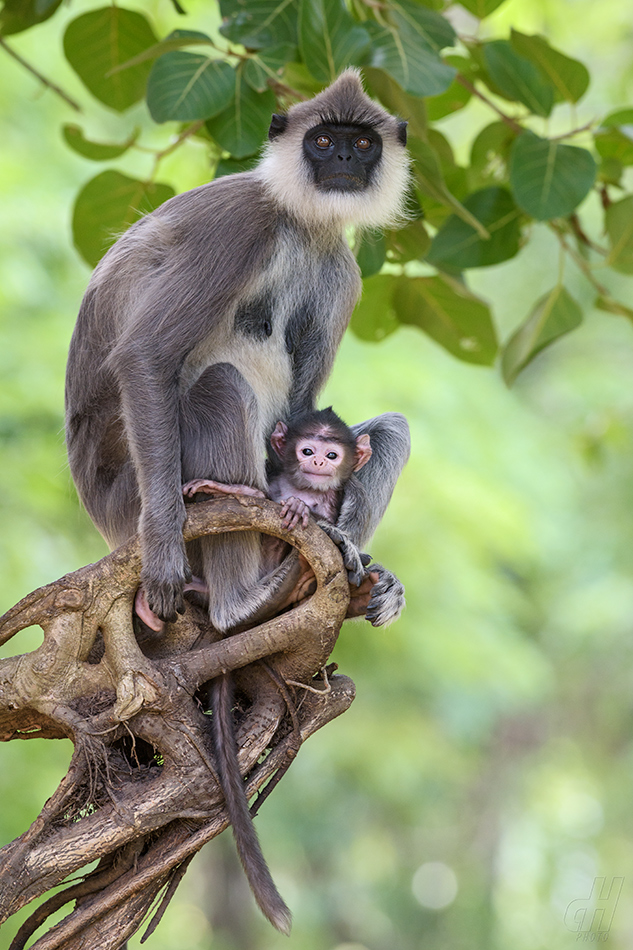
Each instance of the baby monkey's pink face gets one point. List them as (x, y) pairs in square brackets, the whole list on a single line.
[(320, 460)]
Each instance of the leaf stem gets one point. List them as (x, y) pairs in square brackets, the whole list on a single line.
[(38, 75)]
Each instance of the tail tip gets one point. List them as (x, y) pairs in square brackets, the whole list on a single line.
[(281, 919)]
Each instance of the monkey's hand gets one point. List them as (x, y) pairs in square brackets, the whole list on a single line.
[(387, 597), (210, 487), (353, 559), (293, 511)]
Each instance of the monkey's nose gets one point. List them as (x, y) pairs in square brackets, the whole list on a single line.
[(344, 158)]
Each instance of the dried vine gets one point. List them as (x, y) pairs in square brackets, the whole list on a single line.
[(141, 794)]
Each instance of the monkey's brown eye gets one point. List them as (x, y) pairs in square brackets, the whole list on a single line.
[(323, 141), (307, 452), (363, 143), (332, 455)]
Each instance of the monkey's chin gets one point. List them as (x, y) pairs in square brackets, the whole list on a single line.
[(315, 482), (341, 183)]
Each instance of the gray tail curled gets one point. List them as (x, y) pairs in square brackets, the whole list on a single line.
[(249, 849)]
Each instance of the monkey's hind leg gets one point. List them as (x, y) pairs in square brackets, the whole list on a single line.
[(222, 445)]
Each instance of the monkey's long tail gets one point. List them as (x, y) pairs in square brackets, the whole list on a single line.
[(249, 849)]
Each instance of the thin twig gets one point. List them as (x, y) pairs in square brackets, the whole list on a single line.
[(567, 135), (475, 92), (38, 75), (159, 156), (580, 262)]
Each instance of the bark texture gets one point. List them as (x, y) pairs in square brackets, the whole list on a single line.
[(141, 795)]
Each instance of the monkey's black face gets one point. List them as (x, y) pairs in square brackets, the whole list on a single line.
[(343, 157)]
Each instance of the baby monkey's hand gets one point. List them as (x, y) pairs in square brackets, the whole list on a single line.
[(293, 511)]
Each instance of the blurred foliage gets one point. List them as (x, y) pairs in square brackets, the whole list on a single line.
[(481, 780), (212, 75)]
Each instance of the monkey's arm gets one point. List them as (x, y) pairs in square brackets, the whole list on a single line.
[(368, 492), (365, 501), (149, 400)]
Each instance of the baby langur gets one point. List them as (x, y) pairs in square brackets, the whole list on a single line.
[(318, 455)]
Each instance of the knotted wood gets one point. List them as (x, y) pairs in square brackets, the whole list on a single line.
[(141, 794)]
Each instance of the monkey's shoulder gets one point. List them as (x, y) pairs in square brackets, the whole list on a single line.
[(221, 197)]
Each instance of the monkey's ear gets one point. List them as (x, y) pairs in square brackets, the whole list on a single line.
[(402, 132), (278, 125), (278, 438), (363, 451)]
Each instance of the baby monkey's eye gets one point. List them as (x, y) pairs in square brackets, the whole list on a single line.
[(307, 452), (363, 142), (323, 141), (332, 455)]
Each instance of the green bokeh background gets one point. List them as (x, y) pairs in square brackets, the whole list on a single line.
[(482, 779)]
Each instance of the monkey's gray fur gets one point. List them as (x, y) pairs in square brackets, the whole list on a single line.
[(210, 319)]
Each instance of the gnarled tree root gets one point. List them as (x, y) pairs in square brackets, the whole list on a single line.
[(141, 794)]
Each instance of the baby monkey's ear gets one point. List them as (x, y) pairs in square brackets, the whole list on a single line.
[(363, 451), (278, 438)]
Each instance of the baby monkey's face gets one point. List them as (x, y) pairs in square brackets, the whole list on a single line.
[(321, 462)]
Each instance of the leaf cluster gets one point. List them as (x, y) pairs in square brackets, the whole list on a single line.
[(221, 87)]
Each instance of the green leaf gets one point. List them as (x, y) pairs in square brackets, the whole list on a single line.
[(97, 42), (18, 15), (614, 143), (481, 8), (188, 86), (619, 225), (268, 64), (455, 97), (260, 23), (554, 315), (408, 244), (396, 101), (548, 179), (457, 245), (232, 166), (108, 205), (430, 180), (426, 25), (620, 117), (242, 128), (517, 79), (329, 38), (177, 39), (374, 317), (407, 47), (569, 77), (490, 153), (611, 171), (452, 316), (96, 151), (371, 253)]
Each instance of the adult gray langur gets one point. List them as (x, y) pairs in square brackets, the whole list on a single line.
[(208, 321), (212, 318)]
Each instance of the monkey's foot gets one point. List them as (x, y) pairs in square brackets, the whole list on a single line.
[(354, 561), (387, 597), (361, 596), (293, 511), (210, 487), (143, 610)]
